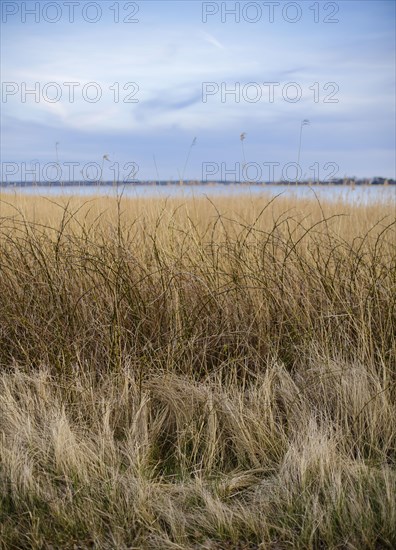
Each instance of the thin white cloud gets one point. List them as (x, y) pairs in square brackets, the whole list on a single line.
[(212, 40)]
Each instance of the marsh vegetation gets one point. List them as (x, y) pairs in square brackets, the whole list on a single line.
[(197, 373)]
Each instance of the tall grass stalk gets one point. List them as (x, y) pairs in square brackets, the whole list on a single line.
[(181, 176)]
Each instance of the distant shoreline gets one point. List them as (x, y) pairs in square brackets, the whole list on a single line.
[(339, 182)]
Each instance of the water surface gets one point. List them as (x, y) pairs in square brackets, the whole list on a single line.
[(363, 194)]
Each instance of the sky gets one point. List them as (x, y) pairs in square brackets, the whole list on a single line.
[(128, 86)]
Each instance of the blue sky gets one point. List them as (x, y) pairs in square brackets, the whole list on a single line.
[(169, 54)]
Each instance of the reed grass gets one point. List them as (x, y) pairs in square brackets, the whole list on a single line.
[(197, 373)]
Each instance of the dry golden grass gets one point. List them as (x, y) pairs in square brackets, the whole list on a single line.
[(189, 374)]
